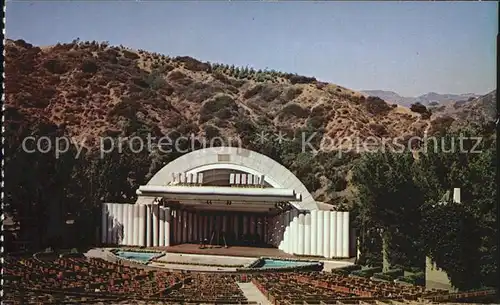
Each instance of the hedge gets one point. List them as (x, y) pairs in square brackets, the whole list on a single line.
[(368, 272), (414, 279)]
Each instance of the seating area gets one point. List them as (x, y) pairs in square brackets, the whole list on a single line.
[(210, 288), (314, 288), (284, 288), (78, 279), (91, 280)]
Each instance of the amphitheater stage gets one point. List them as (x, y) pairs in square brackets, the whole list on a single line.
[(230, 251), (231, 254)]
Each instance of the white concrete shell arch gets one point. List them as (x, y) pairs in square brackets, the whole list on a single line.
[(240, 159)]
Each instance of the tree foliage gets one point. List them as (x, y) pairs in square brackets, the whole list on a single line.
[(403, 195), (389, 199)]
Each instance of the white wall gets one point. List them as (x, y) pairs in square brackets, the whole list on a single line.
[(319, 233), (124, 224)]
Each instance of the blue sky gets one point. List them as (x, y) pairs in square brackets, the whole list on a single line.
[(408, 47)]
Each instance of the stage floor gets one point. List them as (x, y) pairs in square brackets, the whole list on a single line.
[(230, 251)]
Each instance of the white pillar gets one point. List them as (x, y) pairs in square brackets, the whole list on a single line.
[(294, 236), (456, 195), (156, 211), (149, 225), (314, 232), (161, 215), (129, 224), (297, 230), (119, 231), (142, 225), (333, 233), (338, 246), (127, 221), (137, 225), (167, 226), (301, 233), (104, 223), (326, 237), (321, 230), (125, 213), (307, 234), (345, 234)]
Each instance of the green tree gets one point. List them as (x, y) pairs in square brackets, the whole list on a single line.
[(389, 199), (456, 161)]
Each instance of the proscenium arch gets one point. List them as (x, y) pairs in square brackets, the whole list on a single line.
[(239, 159)]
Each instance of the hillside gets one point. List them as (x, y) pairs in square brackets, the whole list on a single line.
[(87, 89), (461, 113), (92, 89), (428, 99)]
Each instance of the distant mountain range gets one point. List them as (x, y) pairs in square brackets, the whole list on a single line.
[(481, 109), (428, 99)]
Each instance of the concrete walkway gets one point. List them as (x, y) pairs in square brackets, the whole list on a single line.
[(253, 294)]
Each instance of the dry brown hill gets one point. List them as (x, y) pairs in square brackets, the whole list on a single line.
[(93, 89), (475, 110), (90, 89)]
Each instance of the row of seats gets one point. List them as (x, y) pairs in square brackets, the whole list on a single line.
[(56, 280), (94, 279), (317, 287)]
